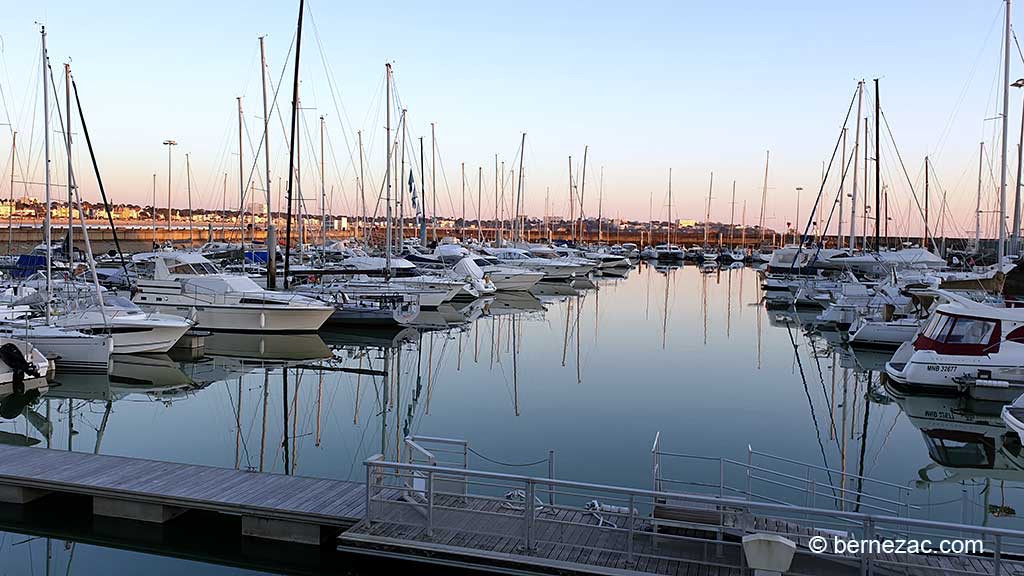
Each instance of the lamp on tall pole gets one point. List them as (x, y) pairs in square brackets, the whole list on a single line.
[(1015, 235), (170, 144), (796, 223)]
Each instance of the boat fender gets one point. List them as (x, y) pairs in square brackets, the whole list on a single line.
[(11, 355), (263, 320)]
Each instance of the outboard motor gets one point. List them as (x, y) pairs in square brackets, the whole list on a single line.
[(11, 355)]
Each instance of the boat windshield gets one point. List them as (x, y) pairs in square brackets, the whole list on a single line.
[(192, 269), (959, 330), (110, 301)]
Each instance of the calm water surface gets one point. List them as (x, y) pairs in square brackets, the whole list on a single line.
[(592, 373)]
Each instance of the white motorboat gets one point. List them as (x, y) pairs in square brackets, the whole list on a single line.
[(70, 350), (507, 278), (345, 260), (552, 268), (563, 254), (802, 260), (965, 347), (883, 334), (133, 330), (735, 255), (188, 285), (428, 293), (669, 252), (399, 310)]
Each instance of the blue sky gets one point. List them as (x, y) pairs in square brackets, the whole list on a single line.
[(696, 86)]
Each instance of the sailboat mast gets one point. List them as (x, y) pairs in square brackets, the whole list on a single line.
[(323, 188), (67, 140), (497, 228), (856, 161), (732, 216), (743, 226), (10, 215), (867, 188), (600, 206), (299, 203), (764, 195), (583, 190), (707, 211), (519, 194), (362, 184), (572, 215), (462, 172), (46, 146), (433, 180), (271, 233), (404, 121), (387, 169), (977, 206), (423, 198), (241, 184), (842, 180), (188, 188), (1006, 124), (479, 204), (668, 229), (878, 168), (924, 240), (291, 147)]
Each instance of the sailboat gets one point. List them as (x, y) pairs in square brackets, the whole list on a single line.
[(71, 349), (668, 250)]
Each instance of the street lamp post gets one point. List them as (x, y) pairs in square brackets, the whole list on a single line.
[(170, 144), (796, 223)]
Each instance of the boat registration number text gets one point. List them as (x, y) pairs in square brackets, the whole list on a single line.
[(941, 368)]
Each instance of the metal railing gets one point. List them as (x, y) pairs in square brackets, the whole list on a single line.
[(616, 523), (808, 485)]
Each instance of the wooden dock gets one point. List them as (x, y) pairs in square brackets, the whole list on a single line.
[(289, 508), (483, 532)]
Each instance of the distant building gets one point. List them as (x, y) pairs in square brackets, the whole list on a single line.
[(681, 223)]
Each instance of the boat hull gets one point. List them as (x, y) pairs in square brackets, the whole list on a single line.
[(241, 318)]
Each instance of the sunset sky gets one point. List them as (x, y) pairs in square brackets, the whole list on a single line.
[(647, 86)]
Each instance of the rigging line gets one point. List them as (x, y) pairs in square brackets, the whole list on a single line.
[(340, 176), (821, 189), (810, 404), (1017, 43), (342, 112), (947, 129), (944, 214), (892, 138), (821, 379), (835, 202), (444, 178), (263, 137)]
